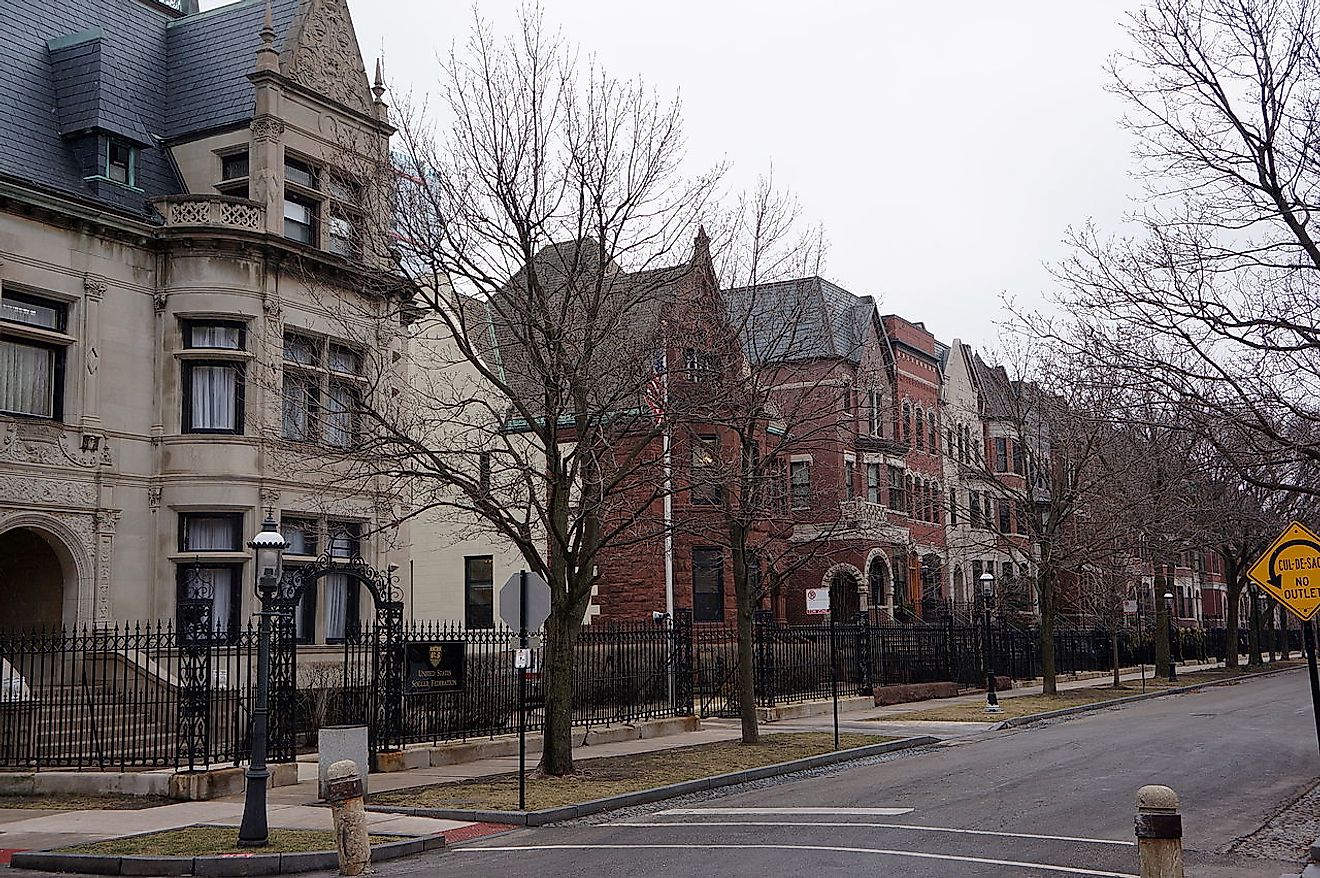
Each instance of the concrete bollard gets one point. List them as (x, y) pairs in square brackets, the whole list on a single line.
[(1159, 833), (344, 793)]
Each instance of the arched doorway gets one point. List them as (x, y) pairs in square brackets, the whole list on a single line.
[(37, 572), (845, 584), (877, 579)]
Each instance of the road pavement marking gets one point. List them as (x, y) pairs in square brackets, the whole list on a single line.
[(750, 812), (918, 855), (880, 826)]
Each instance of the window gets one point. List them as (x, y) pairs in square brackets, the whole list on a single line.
[(799, 475), (706, 487), (319, 404), (216, 586), (234, 174), (484, 472), (873, 398), (341, 597), (934, 432), (345, 539), (300, 219), (848, 402), (921, 433), (1005, 516), (211, 532), (953, 506), (216, 583), (121, 162), (974, 509), (1001, 454), (479, 591), (1007, 568), (345, 217), (850, 477), (949, 445), (301, 534), (32, 365), (907, 422), (300, 173), (897, 502), (1019, 459), (708, 585), (873, 483), (213, 389), (699, 365)]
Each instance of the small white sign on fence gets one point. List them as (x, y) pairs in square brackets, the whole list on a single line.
[(1129, 607), (818, 601)]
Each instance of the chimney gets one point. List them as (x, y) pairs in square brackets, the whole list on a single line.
[(188, 7)]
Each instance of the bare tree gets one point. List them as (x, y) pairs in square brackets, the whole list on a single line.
[(544, 231)]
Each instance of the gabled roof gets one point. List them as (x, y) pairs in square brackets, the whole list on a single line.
[(78, 69), (803, 319), (994, 387)]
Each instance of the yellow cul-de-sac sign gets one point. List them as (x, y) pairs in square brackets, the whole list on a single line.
[(1290, 570)]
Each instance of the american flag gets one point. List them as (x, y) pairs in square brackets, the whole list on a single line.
[(656, 387)]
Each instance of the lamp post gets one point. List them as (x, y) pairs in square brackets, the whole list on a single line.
[(269, 547), (987, 601), (1168, 615)]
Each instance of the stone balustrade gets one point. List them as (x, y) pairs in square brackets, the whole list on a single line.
[(212, 211)]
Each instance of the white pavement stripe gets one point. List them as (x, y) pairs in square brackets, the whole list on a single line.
[(918, 855), (750, 812), (910, 826)]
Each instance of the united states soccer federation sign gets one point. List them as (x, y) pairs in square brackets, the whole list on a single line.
[(1290, 571)]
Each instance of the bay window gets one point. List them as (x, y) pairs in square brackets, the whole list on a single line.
[(213, 388), (322, 391), (214, 580)]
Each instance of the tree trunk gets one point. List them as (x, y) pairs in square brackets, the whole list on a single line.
[(1114, 657), (1049, 680), (1253, 633), (746, 674), (1161, 632), (561, 631), (1232, 609)]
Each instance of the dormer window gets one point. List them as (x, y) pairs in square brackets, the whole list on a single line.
[(120, 162), (234, 174)]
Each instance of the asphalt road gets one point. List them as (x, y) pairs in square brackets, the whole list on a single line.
[(1055, 799)]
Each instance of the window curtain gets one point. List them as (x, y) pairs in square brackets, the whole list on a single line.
[(211, 336), (336, 606), (221, 585), (339, 414), (27, 379), (213, 534), (299, 404), (214, 397)]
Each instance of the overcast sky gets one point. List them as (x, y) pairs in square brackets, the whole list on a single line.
[(945, 146)]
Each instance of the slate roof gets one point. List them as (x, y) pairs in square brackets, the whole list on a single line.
[(127, 67), (800, 319)]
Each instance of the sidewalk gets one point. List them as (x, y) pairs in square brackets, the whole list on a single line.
[(293, 807)]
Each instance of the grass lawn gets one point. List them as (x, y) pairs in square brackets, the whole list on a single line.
[(1027, 705), (614, 775), (193, 841), (75, 802)]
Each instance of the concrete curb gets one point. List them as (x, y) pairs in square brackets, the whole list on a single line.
[(656, 794), (1018, 722), (224, 865)]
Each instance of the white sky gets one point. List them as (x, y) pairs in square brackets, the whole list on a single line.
[(945, 146)]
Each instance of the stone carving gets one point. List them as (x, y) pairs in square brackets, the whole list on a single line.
[(271, 305), (107, 520), (153, 495), (324, 57), (267, 128), (194, 212), (94, 286), (93, 358), (270, 498), (158, 300), (864, 512), (104, 554), (244, 216), (49, 492), (47, 444)]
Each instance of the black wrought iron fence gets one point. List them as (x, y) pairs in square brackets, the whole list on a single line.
[(138, 695)]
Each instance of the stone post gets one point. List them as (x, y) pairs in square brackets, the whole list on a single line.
[(344, 792), (1159, 833)]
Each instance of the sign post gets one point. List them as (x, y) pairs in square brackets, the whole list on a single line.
[(1289, 570), (818, 604), (524, 606)]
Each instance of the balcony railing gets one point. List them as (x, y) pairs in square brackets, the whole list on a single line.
[(212, 211)]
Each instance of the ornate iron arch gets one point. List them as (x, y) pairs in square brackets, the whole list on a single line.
[(385, 721)]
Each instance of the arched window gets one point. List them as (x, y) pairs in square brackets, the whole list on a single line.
[(899, 571), (921, 433), (877, 579), (934, 432), (907, 422)]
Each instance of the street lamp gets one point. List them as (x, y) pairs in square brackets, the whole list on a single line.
[(269, 548), (987, 600), (1168, 616)]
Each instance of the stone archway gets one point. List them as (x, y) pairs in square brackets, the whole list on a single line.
[(44, 574), (846, 584), (959, 587), (879, 580)]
